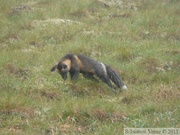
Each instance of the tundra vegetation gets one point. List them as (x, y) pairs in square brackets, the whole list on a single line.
[(140, 39)]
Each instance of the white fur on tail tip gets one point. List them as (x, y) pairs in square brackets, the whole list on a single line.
[(124, 87)]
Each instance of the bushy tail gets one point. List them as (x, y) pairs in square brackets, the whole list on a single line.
[(115, 78)]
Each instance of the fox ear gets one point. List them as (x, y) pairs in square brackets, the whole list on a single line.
[(53, 68)]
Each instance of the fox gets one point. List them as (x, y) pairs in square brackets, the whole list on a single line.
[(74, 64)]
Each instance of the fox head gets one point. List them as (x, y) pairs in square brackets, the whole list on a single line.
[(62, 68)]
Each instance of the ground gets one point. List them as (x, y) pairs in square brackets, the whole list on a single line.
[(138, 39)]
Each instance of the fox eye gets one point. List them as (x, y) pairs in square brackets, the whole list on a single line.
[(64, 66)]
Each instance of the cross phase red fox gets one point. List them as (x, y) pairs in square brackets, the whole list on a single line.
[(75, 64)]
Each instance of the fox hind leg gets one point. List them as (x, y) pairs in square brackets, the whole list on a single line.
[(107, 81), (101, 72)]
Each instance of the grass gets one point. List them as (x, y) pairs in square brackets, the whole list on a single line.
[(139, 39)]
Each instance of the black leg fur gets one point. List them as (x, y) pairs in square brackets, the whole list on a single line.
[(74, 75), (63, 75), (107, 81)]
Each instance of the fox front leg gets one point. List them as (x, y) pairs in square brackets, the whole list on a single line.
[(74, 75), (64, 75)]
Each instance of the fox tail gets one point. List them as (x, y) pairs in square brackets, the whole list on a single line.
[(115, 78)]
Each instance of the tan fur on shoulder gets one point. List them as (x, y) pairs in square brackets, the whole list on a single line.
[(78, 61)]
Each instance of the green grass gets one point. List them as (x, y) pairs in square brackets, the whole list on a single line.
[(141, 39)]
